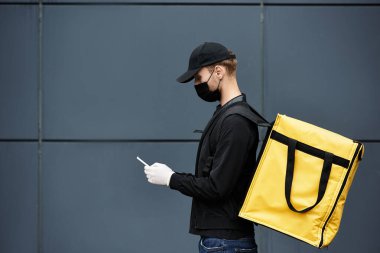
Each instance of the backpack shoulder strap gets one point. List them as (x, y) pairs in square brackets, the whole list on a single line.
[(248, 112)]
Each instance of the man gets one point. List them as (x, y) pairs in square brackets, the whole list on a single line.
[(225, 157)]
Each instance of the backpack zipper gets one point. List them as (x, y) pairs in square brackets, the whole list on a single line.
[(340, 192)]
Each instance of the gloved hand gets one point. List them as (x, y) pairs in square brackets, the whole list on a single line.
[(158, 173)]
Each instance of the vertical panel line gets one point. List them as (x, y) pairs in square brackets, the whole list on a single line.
[(40, 137), (265, 238), (262, 41)]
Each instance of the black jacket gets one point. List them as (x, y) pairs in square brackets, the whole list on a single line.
[(224, 168)]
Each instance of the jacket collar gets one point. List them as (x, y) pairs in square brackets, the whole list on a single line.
[(240, 98)]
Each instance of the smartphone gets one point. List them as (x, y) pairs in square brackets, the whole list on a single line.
[(142, 161)]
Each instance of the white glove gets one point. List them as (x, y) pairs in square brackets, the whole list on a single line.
[(158, 173)]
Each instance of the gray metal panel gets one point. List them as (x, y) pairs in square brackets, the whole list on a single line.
[(109, 71), (18, 197), (322, 66), (18, 71), (360, 221), (97, 199)]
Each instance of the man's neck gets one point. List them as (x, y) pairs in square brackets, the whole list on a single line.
[(229, 91)]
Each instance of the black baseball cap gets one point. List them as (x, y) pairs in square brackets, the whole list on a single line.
[(204, 55)]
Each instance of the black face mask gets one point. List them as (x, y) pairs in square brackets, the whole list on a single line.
[(204, 92)]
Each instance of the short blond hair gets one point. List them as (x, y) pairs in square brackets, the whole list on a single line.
[(229, 64)]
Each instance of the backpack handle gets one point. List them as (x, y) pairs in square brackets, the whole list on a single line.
[(325, 174)]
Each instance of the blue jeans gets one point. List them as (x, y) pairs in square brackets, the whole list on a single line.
[(210, 244)]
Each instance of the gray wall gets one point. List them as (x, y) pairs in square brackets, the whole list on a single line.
[(91, 85)]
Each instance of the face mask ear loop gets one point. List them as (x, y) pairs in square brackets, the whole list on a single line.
[(219, 84), (210, 76)]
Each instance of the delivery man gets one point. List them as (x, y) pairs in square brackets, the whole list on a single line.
[(225, 158)]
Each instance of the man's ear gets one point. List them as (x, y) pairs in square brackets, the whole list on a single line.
[(220, 71)]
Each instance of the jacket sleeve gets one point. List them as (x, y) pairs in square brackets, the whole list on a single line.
[(232, 150)]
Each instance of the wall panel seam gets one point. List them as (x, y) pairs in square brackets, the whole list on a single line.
[(128, 140), (40, 132), (82, 3)]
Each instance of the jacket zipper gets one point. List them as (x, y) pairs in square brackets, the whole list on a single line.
[(340, 192)]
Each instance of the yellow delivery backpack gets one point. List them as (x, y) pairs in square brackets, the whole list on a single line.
[(301, 181)]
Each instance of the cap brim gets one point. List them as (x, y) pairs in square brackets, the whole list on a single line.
[(187, 76)]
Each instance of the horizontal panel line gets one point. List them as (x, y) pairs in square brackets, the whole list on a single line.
[(191, 4), (134, 140), (18, 140), (368, 141), (102, 140), (121, 140)]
